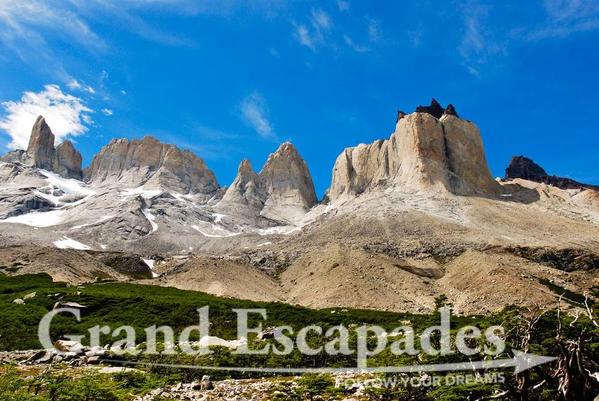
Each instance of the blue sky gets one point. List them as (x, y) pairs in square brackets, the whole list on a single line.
[(232, 79)]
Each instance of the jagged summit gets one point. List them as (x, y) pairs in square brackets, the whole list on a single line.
[(282, 191), (436, 110), (41, 144), (431, 150), (41, 153), (151, 163), (525, 168)]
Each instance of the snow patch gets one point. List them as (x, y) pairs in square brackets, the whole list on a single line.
[(145, 193), (284, 230), (219, 231), (68, 243), (37, 219), (264, 244), (218, 218), (181, 197), (151, 263), (67, 185), (151, 218), (212, 341)]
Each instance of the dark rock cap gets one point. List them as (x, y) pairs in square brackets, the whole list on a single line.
[(435, 109), (450, 111), (400, 115), (524, 168)]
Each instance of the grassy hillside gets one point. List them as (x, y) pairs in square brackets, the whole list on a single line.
[(141, 306)]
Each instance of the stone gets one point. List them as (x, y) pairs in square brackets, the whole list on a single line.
[(67, 161), (41, 144), (526, 169), (289, 185), (450, 110), (425, 154), (283, 191), (435, 109), (206, 383), (18, 301), (64, 159), (152, 164), (247, 190)]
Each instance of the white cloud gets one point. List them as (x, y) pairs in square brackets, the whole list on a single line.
[(73, 84), (315, 34), (478, 46), (374, 29), (354, 46), (107, 112), (343, 5), (65, 114), (303, 35), (255, 112), (564, 18), (320, 20)]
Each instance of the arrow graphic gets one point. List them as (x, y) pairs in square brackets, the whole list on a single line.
[(520, 362)]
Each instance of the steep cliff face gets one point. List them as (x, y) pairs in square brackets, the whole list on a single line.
[(41, 145), (247, 193), (67, 161), (150, 163), (283, 190), (431, 150), (288, 183)]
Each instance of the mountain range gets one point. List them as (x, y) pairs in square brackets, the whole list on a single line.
[(406, 220)]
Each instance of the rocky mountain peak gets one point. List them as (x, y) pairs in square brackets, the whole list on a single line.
[(431, 150), (153, 164), (286, 170), (41, 153), (434, 109), (526, 169), (245, 168), (450, 111), (67, 160), (283, 190), (41, 144)]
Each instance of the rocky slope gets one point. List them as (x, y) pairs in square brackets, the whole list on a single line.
[(431, 151)]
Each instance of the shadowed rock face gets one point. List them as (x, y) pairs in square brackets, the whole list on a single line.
[(525, 168), (153, 164), (425, 153), (67, 161)]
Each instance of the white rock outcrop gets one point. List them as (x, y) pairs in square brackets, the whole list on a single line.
[(153, 165), (424, 154)]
